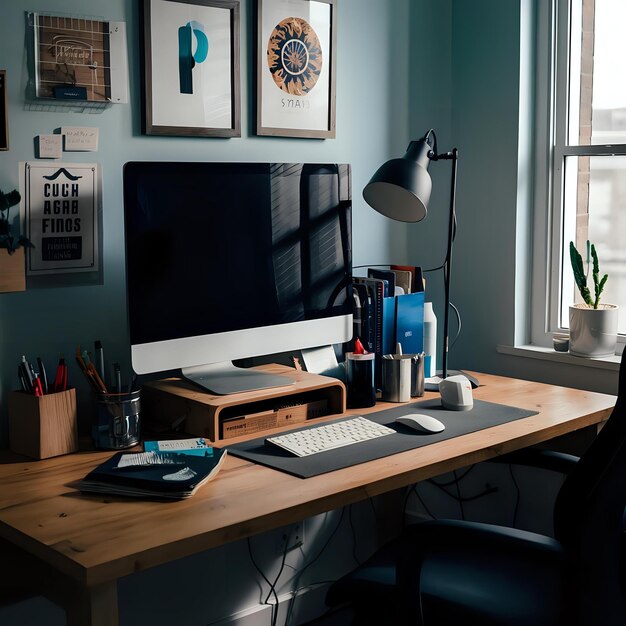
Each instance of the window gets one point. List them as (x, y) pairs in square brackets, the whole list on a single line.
[(582, 180)]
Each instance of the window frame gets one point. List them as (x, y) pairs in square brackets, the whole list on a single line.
[(552, 66)]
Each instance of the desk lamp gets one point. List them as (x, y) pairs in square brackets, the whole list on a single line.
[(400, 189)]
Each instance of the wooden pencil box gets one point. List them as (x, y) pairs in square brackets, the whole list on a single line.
[(43, 426)]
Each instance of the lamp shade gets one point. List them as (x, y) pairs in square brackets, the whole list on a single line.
[(400, 188)]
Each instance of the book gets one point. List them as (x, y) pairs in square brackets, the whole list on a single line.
[(409, 329), (177, 476), (375, 287), (198, 446), (385, 275)]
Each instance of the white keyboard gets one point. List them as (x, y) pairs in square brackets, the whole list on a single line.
[(329, 436)]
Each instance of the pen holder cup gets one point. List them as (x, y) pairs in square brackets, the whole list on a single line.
[(360, 386), (43, 426), (417, 375), (396, 377), (117, 423)]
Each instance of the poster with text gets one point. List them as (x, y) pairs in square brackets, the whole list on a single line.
[(60, 210), (295, 51)]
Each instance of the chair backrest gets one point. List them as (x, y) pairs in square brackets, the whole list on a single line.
[(589, 518)]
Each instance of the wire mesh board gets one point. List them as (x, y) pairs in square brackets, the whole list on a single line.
[(72, 58)]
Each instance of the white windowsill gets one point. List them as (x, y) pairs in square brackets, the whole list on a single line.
[(610, 363)]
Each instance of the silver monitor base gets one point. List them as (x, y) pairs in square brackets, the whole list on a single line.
[(224, 378)]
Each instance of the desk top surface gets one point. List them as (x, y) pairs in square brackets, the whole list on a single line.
[(95, 539)]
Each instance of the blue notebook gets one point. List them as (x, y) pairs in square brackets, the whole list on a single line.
[(403, 323), (179, 476)]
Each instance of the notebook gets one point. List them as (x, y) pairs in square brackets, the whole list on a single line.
[(170, 476)]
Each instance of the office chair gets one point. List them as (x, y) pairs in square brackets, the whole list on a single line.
[(461, 572)]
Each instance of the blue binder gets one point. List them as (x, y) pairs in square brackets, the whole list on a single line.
[(403, 323)]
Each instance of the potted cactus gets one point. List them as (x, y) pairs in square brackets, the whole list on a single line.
[(12, 275), (593, 325)]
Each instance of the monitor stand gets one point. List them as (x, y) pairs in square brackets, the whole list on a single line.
[(224, 378)]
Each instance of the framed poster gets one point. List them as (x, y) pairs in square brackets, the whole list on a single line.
[(4, 120), (191, 68), (296, 42), (60, 209)]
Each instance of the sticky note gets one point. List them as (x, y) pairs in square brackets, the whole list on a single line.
[(49, 146), (79, 138)]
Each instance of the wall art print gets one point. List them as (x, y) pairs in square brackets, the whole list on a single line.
[(296, 42), (191, 68)]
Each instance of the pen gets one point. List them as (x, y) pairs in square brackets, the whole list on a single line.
[(101, 387), (28, 374), (118, 377), (60, 380), (99, 350), (37, 387), (20, 375), (42, 375), (86, 358), (88, 371)]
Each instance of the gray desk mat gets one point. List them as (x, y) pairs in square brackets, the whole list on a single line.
[(483, 415)]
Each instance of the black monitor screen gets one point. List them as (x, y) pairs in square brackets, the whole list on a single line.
[(216, 247)]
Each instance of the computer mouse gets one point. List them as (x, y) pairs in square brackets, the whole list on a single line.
[(421, 423)]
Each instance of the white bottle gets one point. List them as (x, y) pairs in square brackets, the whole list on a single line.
[(430, 339)]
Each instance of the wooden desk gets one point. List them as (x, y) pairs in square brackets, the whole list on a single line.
[(83, 544)]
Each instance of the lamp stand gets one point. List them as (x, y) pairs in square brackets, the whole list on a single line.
[(454, 157), (445, 372)]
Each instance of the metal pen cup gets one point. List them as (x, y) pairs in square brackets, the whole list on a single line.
[(417, 375), (117, 423), (396, 377)]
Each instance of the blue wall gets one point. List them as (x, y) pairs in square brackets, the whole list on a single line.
[(372, 124), (375, 118)]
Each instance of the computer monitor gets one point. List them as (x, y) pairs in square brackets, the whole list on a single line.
[(227, 261)]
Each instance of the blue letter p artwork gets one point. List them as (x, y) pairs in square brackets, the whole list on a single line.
[(187, 59)]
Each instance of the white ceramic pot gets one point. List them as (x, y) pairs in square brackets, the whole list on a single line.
[(592, 332)]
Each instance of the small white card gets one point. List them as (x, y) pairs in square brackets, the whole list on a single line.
[(49, 146), (80, 138)]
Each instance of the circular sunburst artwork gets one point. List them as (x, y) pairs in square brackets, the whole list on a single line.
[(294, 56)]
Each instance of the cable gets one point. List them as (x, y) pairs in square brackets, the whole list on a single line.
[(272, 585), (458, 320), (317, 556), (414, 489), (405, 504), (354, 554), (280, 571), (517, 497), (489, 490), (458, 493), (455, 479), (265, 578)]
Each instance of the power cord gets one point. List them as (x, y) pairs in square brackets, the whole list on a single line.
[(298, 576), (272, 586), (354, 554), (517, 496)]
